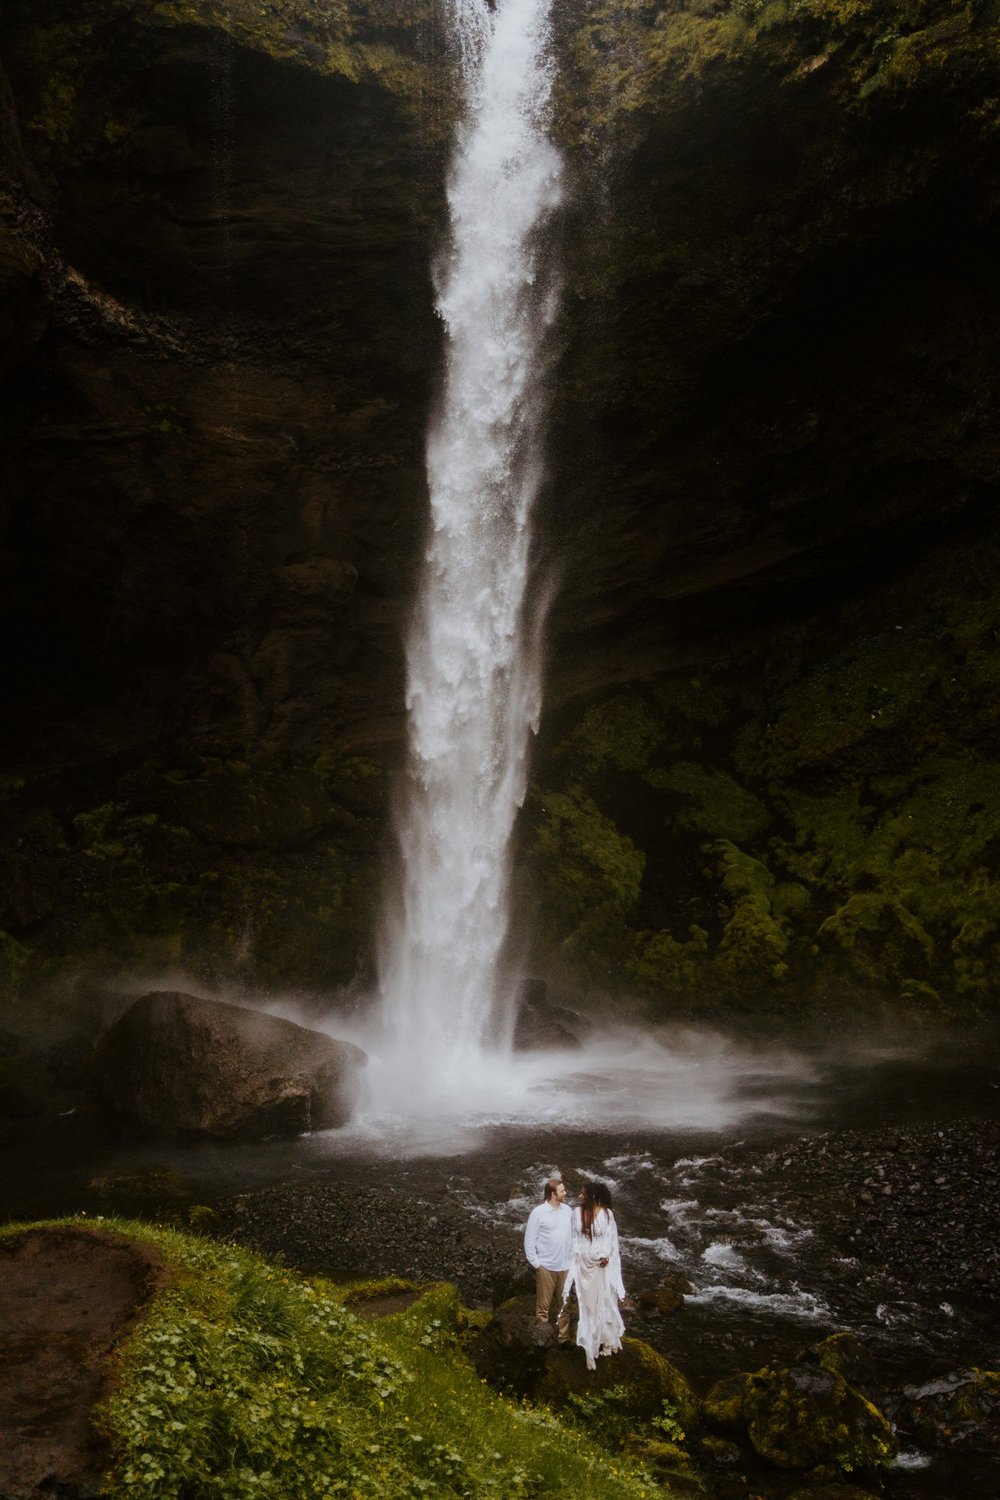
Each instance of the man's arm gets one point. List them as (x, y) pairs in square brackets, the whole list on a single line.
[(531, 1236)]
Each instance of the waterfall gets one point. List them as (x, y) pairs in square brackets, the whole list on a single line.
[(473, 672)]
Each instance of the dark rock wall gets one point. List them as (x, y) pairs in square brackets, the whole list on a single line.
[(770, 512), (777, 482)]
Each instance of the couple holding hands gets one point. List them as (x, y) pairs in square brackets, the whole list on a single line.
[(578, 1248)]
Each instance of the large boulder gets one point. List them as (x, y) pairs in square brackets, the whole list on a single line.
[(509, 1350), (807, 1415), (635, 1387), (180, 1064)]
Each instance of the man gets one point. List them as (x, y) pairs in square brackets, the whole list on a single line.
[(548, 1244)]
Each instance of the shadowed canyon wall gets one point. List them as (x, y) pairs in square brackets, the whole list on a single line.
[(768, 772)]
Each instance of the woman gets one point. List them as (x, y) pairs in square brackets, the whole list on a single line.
[(596, 1272)]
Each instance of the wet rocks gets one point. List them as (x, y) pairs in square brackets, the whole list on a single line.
[(510, 1351), (918, 1203), (803, 1416), (961, 1410), (640, 1379), (667, 1296), (833, 1492), (180, 1064), (349, 1228), (540, 1024)]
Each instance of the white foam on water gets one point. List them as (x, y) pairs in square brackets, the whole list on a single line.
[(725, 1257), (661, 1247), (911, 1458), (783, 1238), (794, 1304)]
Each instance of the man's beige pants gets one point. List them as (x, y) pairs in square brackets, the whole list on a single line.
[(549, 1285)]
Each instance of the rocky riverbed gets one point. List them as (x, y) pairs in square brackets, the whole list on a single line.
[(920, 1205), (894, 1235), (779, 1240)]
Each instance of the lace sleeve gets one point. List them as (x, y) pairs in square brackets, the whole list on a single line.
[(615, 1260)]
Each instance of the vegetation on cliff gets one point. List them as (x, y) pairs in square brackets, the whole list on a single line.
[(794, 826)]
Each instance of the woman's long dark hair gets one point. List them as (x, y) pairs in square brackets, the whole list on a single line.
[(602, 1196), (588, 1209), (595, 1196)]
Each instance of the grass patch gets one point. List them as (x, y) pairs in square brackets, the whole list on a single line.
[(247, 1380)]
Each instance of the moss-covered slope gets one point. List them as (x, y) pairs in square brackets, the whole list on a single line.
[(243, 1379)]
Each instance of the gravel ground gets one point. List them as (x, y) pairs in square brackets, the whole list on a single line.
[(921, 1204), (345, 1229)]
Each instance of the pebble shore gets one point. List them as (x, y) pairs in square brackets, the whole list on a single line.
[(920, 1204)]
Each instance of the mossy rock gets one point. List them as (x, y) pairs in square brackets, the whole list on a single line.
[(807, 1415), (961, 1410), (846, 1355), (723, 1406), (671, 1465), (508, 1353), (719, 1451), (666, 1298), (637, 1380)]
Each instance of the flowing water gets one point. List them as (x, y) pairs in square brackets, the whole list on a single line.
[(473, 663)]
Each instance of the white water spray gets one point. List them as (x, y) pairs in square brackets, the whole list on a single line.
[(473, 671)]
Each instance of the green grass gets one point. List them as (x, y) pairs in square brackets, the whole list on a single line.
[(246, 1380)]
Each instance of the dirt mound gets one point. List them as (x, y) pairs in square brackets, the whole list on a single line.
[(66, 1297)]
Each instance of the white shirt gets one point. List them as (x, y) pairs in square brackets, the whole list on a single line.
[(548, 1236)]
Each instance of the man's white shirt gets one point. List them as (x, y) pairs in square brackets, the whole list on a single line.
[(548, 1236)]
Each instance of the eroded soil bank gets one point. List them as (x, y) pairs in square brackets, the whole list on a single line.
[(67, 1296)]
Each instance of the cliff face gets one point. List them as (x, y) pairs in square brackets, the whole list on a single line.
[(768, 762)]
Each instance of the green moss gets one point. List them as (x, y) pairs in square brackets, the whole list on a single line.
[(880, 936), (627, 59), (638, 1388), (719, 806), (723, 1406), (663, 965), (590, 864), (620, 733), (807, 1415), (754, 944)]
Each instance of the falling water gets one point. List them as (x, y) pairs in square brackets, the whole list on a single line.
[(473, 690)]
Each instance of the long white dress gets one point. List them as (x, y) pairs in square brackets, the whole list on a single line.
[(598, 1288)]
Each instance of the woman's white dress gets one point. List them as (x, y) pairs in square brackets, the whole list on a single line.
[(598, 1288)]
